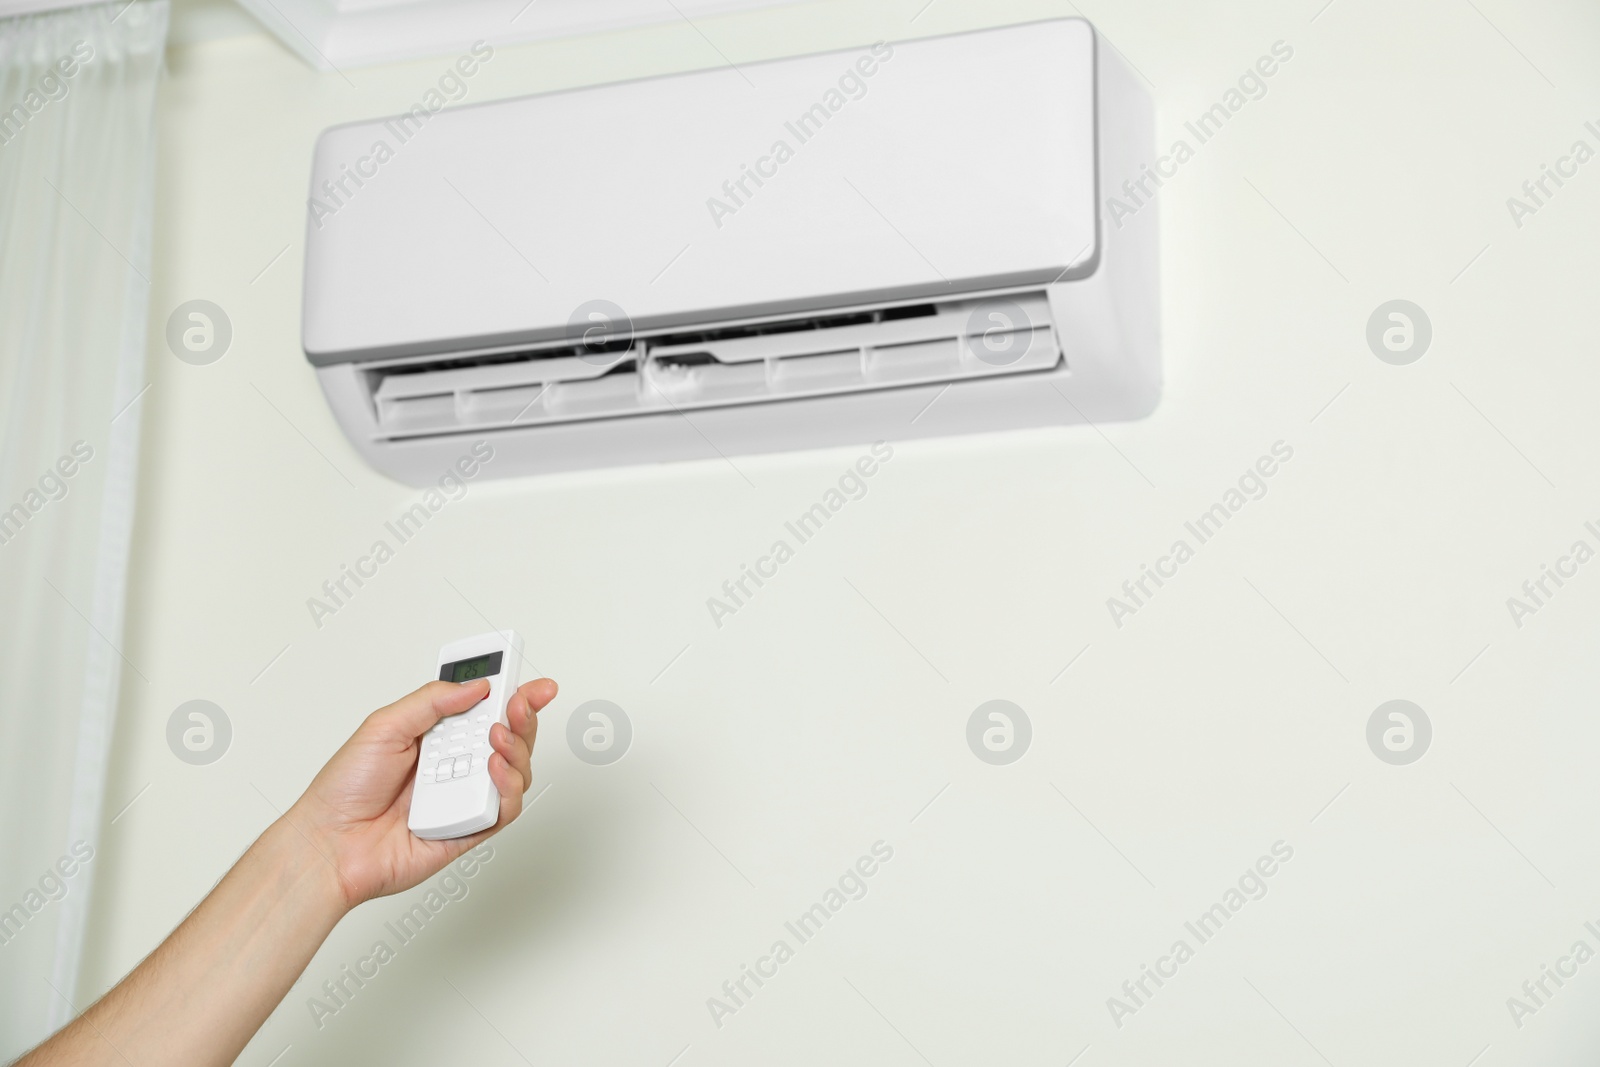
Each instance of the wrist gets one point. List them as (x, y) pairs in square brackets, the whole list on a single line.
[(308, 865)]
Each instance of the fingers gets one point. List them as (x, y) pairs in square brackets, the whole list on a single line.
[(514, 742), (510, 764), (516, 751), (511, 785), (523, 708), (413, 714)]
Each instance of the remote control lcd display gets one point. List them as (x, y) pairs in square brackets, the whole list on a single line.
[(465, 670)]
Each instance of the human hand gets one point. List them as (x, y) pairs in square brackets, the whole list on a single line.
[(354, 812)]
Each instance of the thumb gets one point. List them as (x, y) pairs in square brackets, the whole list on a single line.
[(415, 713)]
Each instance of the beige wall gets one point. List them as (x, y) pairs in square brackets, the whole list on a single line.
[(1220, 719)]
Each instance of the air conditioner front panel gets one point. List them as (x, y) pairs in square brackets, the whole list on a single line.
[(961, 163)]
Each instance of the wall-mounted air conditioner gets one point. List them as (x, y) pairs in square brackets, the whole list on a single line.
[(898, 240)]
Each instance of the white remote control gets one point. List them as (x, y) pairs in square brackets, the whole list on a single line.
[(453, 795)]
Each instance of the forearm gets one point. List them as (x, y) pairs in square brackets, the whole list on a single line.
[(203, 993)]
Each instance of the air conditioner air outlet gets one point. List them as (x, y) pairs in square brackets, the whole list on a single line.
[(720, 365)]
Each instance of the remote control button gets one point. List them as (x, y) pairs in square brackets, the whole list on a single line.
[(462, 767), (458, 735), (444, 768), (456, 750)]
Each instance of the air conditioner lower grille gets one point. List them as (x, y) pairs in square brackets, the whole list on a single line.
[(882, 348)]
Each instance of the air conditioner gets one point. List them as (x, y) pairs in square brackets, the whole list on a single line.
[(892, 241)]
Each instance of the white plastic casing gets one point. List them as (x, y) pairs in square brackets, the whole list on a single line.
[(458, 806), (967, 166)]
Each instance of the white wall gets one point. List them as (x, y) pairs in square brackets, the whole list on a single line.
[(774, 751)]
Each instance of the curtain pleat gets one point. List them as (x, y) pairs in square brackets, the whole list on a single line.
[(77, 103)]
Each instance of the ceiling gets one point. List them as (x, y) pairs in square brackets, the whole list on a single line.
[(335, 34)]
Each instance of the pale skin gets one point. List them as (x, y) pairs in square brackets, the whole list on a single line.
[(205, 990)]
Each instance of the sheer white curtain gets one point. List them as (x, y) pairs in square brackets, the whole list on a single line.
[(77, 101)]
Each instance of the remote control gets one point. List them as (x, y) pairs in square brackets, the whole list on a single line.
[(453, 795)]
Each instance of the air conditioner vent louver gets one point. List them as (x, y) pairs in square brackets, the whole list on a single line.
[(879, 348)]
